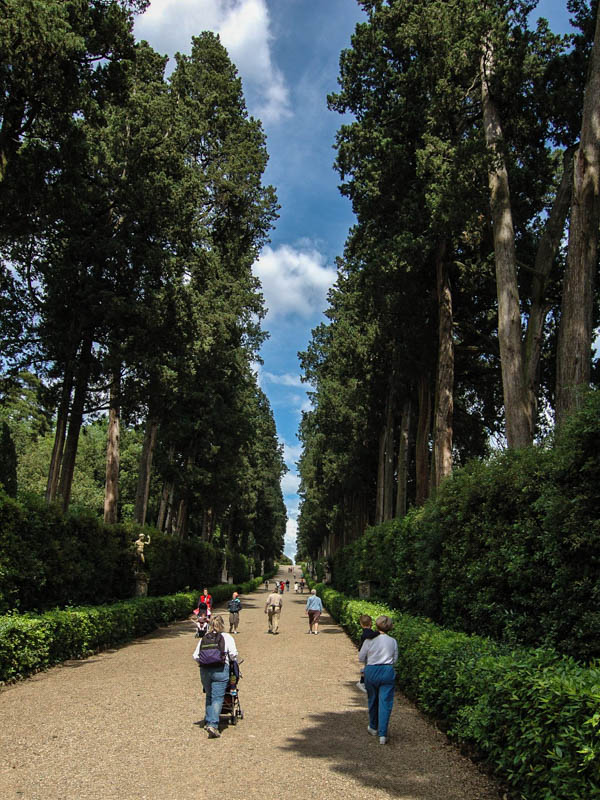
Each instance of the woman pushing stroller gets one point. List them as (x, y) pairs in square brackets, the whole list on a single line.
[(216, 653)]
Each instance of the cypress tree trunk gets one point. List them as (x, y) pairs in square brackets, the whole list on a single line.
[(519, 424), (544, 261), (576, 327), (388, 466), (145, 470), (385, 464), (111, 492), (70, 453), (442, 429), (62, 417), (402, 469), (422, 443)]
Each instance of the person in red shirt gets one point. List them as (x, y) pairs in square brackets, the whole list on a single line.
[(206, 599)]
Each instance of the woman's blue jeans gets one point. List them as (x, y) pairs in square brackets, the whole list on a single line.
[(214, 681), (380, 681)]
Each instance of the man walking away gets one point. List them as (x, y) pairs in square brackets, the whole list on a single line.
[(273, 609), (234, 606)]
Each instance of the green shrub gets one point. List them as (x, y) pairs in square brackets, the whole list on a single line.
[(509, 548), (30, 643), (532, 714)]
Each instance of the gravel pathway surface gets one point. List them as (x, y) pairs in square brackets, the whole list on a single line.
[(126, 725)]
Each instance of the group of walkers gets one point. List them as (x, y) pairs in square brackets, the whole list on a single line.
[(217, 655)]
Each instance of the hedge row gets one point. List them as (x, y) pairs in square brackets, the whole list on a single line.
[(50, 560), (30, 643), (532, 714), (509, 548)]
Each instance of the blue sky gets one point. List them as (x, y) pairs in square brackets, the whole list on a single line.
[(287, 53)]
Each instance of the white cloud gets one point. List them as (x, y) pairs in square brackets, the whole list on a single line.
[(290, 484), (291, 531), (291, 454), (282, 380), (244, 28), (294, 280)]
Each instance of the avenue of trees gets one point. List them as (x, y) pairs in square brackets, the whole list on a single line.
[(465, 309), (131, 211)]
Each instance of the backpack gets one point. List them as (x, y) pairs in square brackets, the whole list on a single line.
[(212, 650)]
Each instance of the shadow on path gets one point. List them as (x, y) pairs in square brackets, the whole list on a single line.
[(408, 768)]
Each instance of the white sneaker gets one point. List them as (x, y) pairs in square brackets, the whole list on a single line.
[(371, 730), (383, 740), (361, 686)]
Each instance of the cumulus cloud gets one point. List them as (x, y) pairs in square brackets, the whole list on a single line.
[(291, 454), (294, 280), (244, 28), (282, 380), (290, 484), (291, 531)]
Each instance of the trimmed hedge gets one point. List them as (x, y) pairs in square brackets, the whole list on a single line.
[(50, 560), (509, 548), (532, 714), (30, 643)]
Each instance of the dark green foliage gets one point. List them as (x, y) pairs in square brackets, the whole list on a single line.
[(48, 560), (532, 714), (509, 548), (8, 462)]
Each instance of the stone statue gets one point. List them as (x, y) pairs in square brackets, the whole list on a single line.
[(139, 544)]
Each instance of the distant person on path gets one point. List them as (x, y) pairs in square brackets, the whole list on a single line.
[(296, 587), (201, 624), (281, 587), (234, 606), (205, 599), (273, 609), (314, 607), (366, 623), (215, 676), (287, 585), (379, 656), (301, 587)]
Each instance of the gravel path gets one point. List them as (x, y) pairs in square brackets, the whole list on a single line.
[(125, 725)]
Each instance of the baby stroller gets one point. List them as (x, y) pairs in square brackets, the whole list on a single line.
[(231, 702)]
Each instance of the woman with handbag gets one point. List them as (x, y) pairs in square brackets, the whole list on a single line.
[(214, 653)]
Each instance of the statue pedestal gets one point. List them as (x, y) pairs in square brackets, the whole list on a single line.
[(141, 584)]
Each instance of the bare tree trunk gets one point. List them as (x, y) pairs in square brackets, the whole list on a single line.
[(182, 519), (111, 492), (402, 469), (162, 507), (62, 417), (422, 443), (544, 261), (145, 471), (388, 465), (170, 507), (519, 424), (70, 452), (380, 478), (442, 428), (576, 329)]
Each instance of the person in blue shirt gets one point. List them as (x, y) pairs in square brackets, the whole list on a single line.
[(234, 606), (314, 607)]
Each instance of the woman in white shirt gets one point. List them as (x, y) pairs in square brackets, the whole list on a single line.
[(215, 677), (379, 656)]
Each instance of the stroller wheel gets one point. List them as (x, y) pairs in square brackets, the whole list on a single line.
[(241, 714), (234, 720)]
